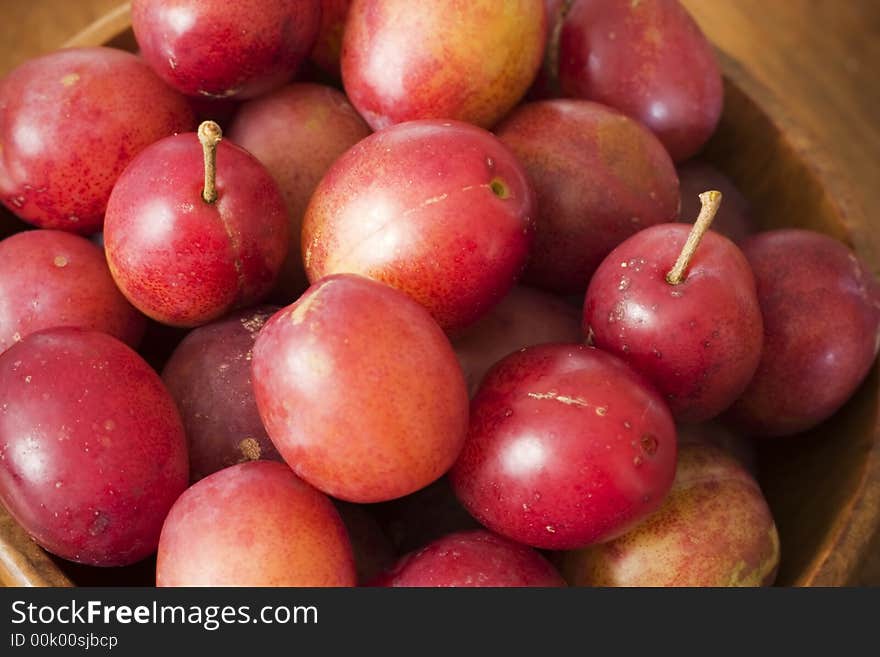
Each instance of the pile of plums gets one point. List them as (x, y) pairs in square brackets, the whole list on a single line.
[(395, 293)]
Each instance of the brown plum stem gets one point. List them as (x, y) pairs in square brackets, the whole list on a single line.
[(210, 135), (711, 202)]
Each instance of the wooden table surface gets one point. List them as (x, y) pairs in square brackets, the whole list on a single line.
[(820, 56)]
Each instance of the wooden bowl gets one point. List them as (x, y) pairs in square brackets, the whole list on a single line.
[(823, 486)]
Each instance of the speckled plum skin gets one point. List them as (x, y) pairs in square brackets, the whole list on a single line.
[(567, 447), (52, 278), (225, 48), (734, 218), (297, 132), (698, 342), (649, 60), (476, 558), (470, 61), (360, 390), (438, 209), (181, 260), (254, 524), (714, 529), (70, 122), (523, 318), (209, 376), (92, 449), (821, 308), (327, 50), (599, 177)]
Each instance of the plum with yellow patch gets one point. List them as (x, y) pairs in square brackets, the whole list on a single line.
[(599, 177), (254, 524), (469, 60), (715, 529), (441, 210), (360, 390)]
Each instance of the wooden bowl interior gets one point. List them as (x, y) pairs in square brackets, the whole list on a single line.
[(822, 486)]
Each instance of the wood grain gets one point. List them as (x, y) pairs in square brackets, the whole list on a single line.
[(817, 56)]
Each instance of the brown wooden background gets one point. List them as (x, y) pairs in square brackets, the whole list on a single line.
[(822, 57)]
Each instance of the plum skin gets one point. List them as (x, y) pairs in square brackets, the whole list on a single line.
[(699, 342), (649, 60), (297, 132), (467, 61), (441, 210), (209, 376), (54, 278), (92, 448), (567, 447), (523, 318), (199, 47), (714, 529), (360, 391), (183, 261), (70, 122), (821, 309), (599, 177), (254, 524), (327, 51), (475, 558)]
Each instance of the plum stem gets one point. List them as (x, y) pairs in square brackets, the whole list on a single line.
[(210, 135), (711, 202)]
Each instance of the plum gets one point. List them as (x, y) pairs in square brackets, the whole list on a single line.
[(567, 447), (209, 376), (70, 122), (225, 48), (439, 209), (297, 132), (715, 529), (821, 309), (254, 524), (53, 278), (599, 177), (696, 335), (648, 59), (523, 318), (360, 391), (469, 61), (476, 558), (188, 243), (92, 448)]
